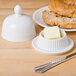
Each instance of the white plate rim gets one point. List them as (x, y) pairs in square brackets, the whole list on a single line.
[(42, 25), (53, 53)]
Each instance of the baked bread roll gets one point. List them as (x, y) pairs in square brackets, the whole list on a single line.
[(63, 7), (54, 19)]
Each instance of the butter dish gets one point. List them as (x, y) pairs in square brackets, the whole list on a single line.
[(55, 46), (18, 27)]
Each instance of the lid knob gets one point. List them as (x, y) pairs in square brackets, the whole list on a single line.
[(17, 9)]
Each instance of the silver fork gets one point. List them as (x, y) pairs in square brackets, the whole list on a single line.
[(45, 67)]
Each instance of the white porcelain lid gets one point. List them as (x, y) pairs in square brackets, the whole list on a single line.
[(18, 27)]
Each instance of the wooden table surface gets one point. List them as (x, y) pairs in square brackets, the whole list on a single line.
[(19, 59)]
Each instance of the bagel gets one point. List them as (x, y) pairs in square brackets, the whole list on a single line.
[(54, 19), (63, 7)]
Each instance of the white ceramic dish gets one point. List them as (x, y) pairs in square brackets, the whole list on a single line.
[(37, 17), (18, 27), (56, 46)]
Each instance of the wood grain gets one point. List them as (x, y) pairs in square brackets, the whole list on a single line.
[(19, 59)]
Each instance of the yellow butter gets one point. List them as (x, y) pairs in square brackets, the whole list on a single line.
[(52, 32)]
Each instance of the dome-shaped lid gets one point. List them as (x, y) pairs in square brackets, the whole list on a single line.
[(18, 27)]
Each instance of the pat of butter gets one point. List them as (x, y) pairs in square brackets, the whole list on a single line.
[(52, 32)]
